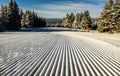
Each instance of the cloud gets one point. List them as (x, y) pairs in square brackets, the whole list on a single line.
[(99, 1), (59, 9)]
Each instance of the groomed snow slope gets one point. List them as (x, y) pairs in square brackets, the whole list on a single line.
[(55, 54)]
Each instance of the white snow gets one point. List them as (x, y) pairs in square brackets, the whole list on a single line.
[(57, 52)]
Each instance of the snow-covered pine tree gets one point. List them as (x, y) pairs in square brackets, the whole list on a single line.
[(68, 20), (20, 17), (9, 18), (30, 20), (71, 19), (23, 20), (105, 22), (77, 21), (12, 18), (3, 11), (117, 2), (117, 17), (86, 20), (16, 15), (3, 15)]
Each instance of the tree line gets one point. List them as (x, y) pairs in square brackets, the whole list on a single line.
[(109, 20), (12, 18), (78, 21)]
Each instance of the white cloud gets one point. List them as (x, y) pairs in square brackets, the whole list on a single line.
[(60, 9)]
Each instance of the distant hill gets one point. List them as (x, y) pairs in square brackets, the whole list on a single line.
[(53, 20)]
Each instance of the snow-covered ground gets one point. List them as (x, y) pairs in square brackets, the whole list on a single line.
[(59, 52), (112, 41)]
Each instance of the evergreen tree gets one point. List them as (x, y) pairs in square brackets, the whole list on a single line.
[(68, 21), (3, 11), (9, 18), (30, 20), (12, 18), (65, 21), (20, 17), (21, 12), (77, 21), (86, 20), (110, 17), (94, 23), (23, 20), (34, 19), (67, 15), (72, 17), (117, 15), (10, 7), (16, 15), (89, 22), (3, 15), (106, 22), (43, 22), (117, 2)]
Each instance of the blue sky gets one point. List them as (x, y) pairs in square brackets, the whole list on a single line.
[(59, 8)]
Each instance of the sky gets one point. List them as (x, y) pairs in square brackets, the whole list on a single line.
[(59, 8)]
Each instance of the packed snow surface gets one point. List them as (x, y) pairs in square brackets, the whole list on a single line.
[(59, 52)]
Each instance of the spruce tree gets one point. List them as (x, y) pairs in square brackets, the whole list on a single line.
[(3, 16), (16, 15), (3, 11), (106, 21), (86, 20), (66, 20), (10, 7), (72, 17), (23, 20), (27, 19), (12, 18), (31, 20), (117, 17), (77, 21), (20, 17), (89, 22), (117, 2), (34, 19), (9, 17)]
